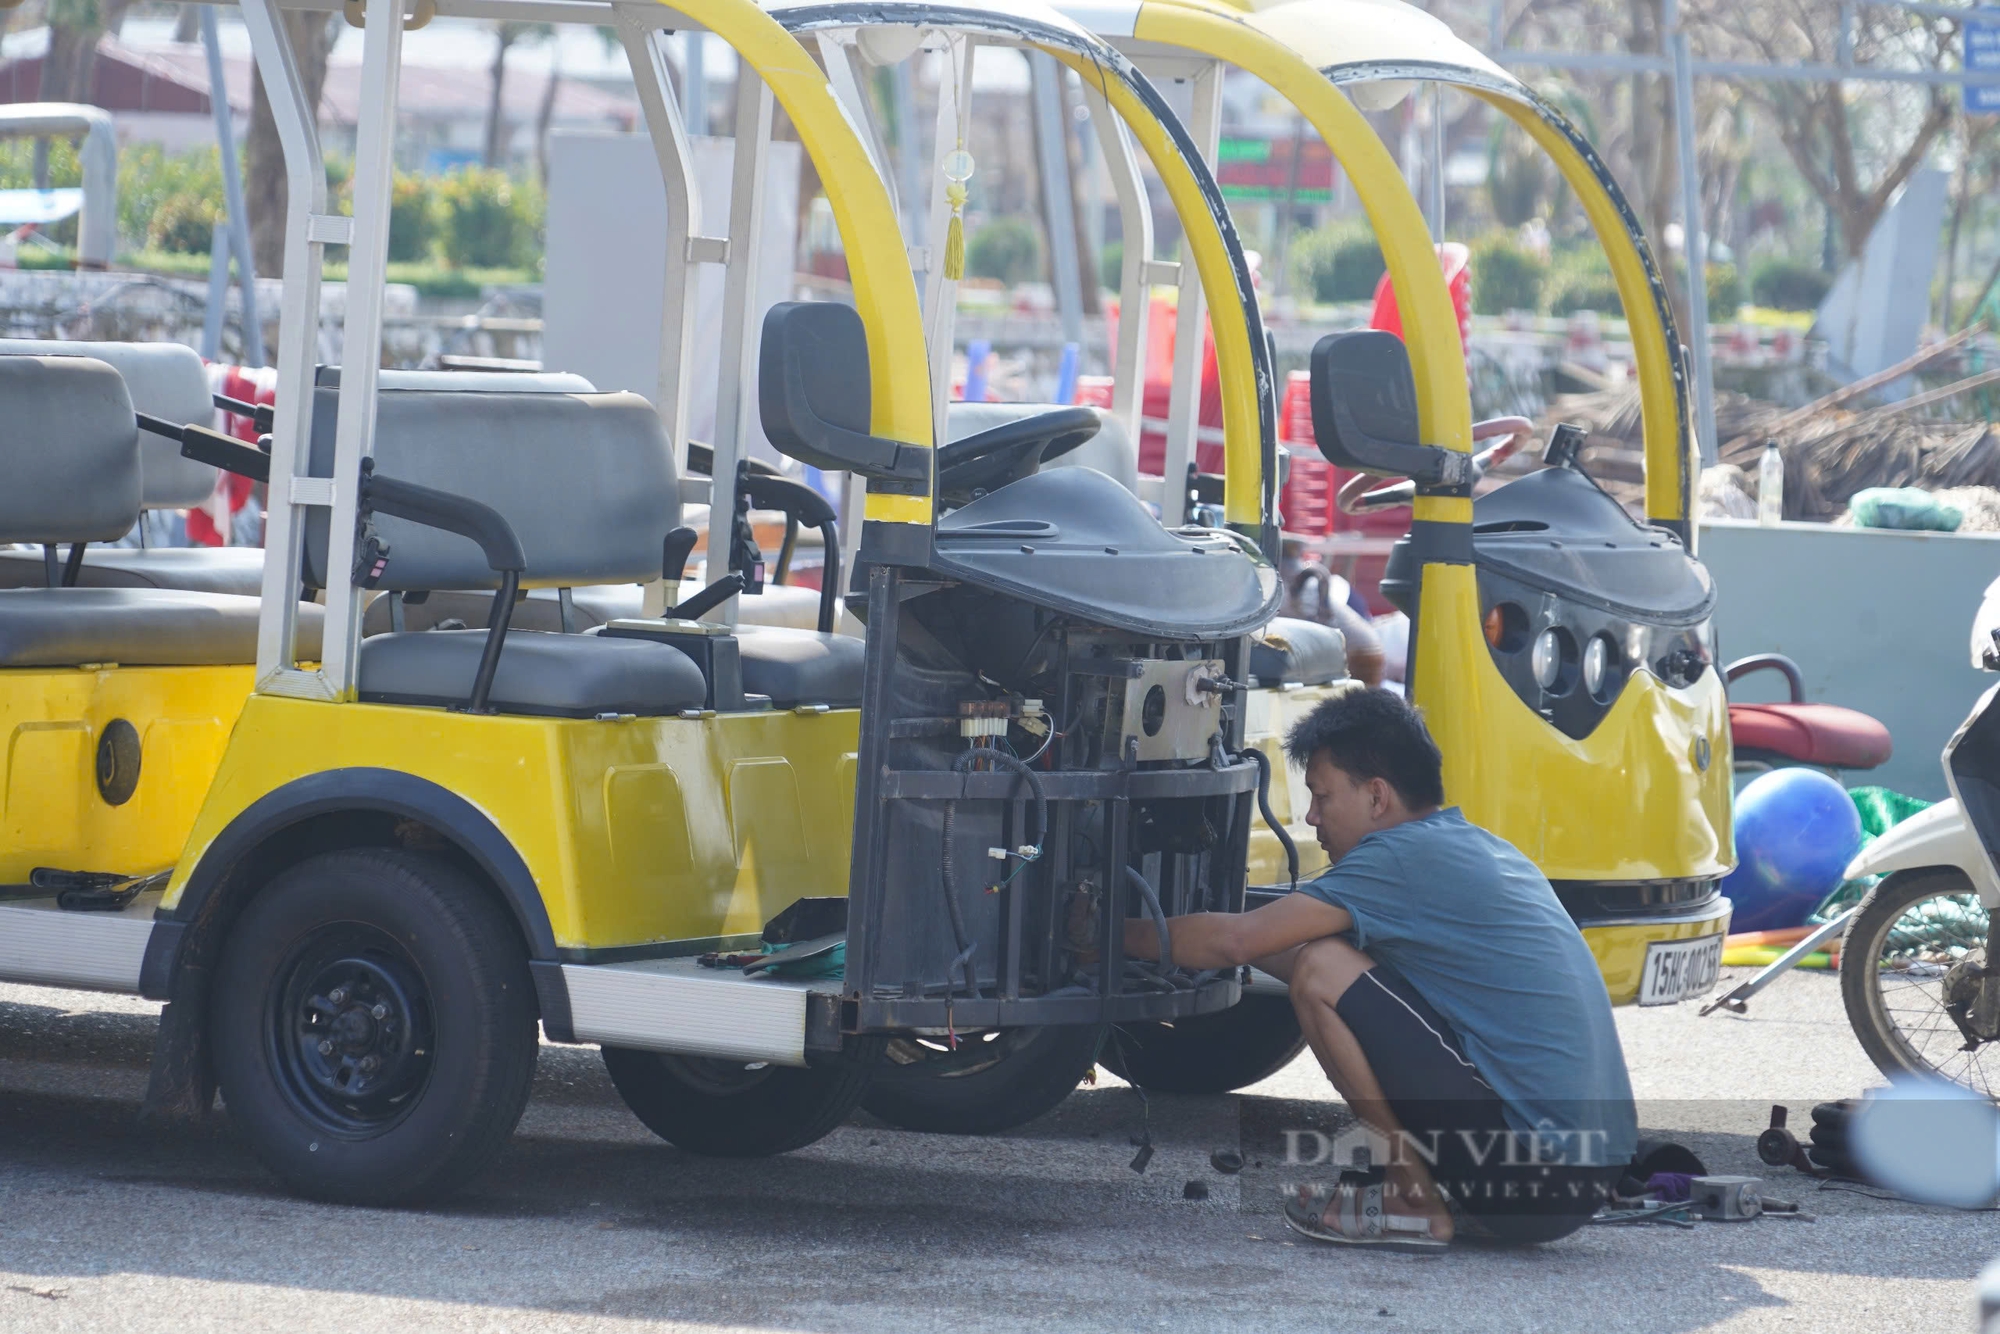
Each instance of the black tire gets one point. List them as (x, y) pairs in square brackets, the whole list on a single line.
[(1211, 1053), (384, 956), (1013, 1077), (730, 1109), (1937, 1048)]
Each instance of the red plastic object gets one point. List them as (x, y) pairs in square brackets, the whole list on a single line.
[(1456, 261), (1820, 734)]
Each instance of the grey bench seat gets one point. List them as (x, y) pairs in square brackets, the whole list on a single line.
[(797, 667), (137, 627), (237, 570), (547, 675)]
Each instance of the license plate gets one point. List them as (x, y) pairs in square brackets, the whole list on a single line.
[(1677, 969)]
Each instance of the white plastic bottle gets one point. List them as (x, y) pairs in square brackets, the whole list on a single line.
[(1771, 485)]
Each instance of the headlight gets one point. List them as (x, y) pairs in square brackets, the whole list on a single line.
[(1596, 665), (1546, 661)]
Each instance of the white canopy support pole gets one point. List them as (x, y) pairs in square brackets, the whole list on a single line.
[(845, 72), (736, 387), (308, 231), (684, 245), (909, 155), (940, 293), (1184, 402), (1058, 211), (1135, 276), (1694, 243), (361, 342)]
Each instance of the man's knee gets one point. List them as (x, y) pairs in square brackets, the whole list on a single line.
[(1323, 970)]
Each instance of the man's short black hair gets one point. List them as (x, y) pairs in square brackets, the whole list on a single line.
[(1373, 734)]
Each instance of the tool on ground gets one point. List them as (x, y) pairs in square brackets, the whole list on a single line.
[(1737, 1000)]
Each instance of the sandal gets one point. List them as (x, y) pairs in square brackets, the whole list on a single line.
[(1351, 1214)]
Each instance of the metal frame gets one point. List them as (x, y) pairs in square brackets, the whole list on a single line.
[(954, 119), (309, 229), (1138, 268), (1184, 398), (685, 248)]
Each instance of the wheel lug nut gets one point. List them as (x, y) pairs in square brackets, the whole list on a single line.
[(368, 1064), (381, 1010), (326, 1046), (338, 996)]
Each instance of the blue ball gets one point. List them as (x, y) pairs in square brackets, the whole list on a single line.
[(1796, 830)]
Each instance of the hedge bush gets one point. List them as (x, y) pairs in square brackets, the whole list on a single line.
[(1580, 279), (1007, 250), (1505, 276), (413, 219), (184, 223), (1340, 262), (488, 219), (1725, 291), (1784, 284)]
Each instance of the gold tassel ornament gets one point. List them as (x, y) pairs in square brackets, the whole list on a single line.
[(957, 171)]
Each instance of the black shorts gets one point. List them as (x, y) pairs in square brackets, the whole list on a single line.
[(1457, 1124)]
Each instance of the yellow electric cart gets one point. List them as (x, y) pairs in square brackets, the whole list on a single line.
[(742, 861)]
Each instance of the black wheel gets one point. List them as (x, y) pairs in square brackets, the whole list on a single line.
[(734, 1109), (374, 1026), (993, 1081), (1909, 973), (1211, 1053)]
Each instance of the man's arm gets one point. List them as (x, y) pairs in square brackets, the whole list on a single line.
[(1224, 940)]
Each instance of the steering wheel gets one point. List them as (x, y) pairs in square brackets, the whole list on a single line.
[(1365, 493), (1006, 453)]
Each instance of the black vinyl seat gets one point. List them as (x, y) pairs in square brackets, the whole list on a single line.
[(70, 454), (548, 675), (586, 483), (797, 667)]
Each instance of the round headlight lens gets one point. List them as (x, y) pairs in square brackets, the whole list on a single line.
[(1596, 665), (1547, 659)]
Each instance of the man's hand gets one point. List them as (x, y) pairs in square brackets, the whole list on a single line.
[(1225, 940)]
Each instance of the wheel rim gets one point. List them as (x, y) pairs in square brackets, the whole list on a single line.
[(934, 1058), (1920, 956), (350, 1030), (717, 1078)]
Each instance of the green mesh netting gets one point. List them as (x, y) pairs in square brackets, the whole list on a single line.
[(1881, 809)]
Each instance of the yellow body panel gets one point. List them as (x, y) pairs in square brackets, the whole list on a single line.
[(1627, 802), (1430, 327), (51, 811), (636, 831), (885, 291), (1620, 950)]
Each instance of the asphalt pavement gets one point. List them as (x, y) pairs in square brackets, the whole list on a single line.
[(588, 1223)]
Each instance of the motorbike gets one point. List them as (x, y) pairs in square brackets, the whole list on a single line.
[(1920, 961)]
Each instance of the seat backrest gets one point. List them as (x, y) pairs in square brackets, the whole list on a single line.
[(1110, 451), (164, 380), (69, 451), (586, 480)]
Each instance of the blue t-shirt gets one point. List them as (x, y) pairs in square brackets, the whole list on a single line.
[(1481, 935)]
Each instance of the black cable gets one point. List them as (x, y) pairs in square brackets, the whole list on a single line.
[(1263, 763), (963, 963)]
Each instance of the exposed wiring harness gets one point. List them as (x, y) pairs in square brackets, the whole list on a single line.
[(962, 763)]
